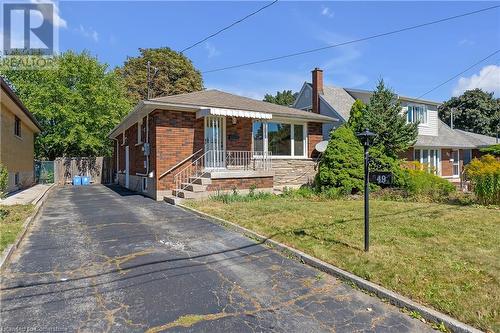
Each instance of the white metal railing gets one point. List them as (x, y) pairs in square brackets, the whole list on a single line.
[(229, 159), (247, 160), (195, 169)]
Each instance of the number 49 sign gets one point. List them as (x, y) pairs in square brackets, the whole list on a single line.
[(381, 178)]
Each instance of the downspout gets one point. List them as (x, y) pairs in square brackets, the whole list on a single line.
[(117, 157)]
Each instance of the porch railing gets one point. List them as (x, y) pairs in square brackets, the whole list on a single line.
[(195, 169), (231, 160), (247, 160)]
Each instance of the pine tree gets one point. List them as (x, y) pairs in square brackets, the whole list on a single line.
[(384, 117), (341, 166)]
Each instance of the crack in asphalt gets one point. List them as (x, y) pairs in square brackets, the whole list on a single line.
[(101, 259)]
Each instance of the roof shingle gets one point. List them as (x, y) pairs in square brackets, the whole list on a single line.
[(220, 99)]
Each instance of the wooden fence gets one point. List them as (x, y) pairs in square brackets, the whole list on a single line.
[(98, 168)]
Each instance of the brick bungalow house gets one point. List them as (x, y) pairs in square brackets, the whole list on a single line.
[(438, 146), (189, 145)]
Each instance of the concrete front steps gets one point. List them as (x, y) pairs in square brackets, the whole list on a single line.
[(194, 189)]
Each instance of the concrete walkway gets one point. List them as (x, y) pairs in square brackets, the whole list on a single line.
[(27, 196), (104, 259)]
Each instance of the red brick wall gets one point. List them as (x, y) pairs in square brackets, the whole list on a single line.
[(121, 153), (476, 153), (314, 136), (408, 155), (178, 135), (240, 183), (239, 136), (136, 155)]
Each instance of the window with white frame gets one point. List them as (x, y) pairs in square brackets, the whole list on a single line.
[(429, 158), (417, 113), (279, 138)]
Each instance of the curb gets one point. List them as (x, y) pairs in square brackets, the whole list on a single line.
[(38, 202), (395, 299)]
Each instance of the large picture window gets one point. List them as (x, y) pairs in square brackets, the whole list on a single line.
[(417, 113), (430, 158), (280, 139)]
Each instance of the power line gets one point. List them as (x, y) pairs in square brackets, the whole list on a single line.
[(457, 75), (229, 26), (351, 41)]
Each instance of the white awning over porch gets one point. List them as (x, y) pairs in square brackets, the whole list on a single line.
[(232, 113)]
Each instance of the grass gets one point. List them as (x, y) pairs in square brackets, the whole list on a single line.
[(445, 256), (11, 222)]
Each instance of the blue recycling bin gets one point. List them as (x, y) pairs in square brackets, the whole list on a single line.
[(85, 180), (77, 181)]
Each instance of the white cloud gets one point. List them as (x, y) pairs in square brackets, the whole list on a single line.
[(212, 50), (88, 33), (488, 80), (58, 21), (327, 12), (466, 42)]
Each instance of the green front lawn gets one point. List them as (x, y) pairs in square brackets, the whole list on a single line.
[(441, 255), (11, 222)]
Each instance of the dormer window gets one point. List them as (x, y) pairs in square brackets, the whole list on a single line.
[(417, 113)]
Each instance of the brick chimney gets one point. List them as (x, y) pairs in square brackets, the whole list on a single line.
[(317, 88)]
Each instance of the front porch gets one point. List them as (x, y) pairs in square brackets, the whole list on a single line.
[(219, 171), (215, 150)]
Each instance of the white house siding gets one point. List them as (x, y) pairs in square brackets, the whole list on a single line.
[(431, 128)]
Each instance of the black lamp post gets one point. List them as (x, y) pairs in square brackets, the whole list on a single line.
[(365, 137)]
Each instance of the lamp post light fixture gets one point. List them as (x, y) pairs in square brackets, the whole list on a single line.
[(365, 138)]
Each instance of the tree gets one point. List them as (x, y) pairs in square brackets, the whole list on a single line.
[(493, 150), (341, 166), (474, 111), (356, 114), (176, 74), (383, 117), (285, 97), (77, 104)]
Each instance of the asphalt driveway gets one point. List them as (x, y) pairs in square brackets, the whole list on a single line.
[(103, 259)]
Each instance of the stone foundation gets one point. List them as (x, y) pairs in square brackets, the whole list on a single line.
[(240, 183), (293, 173)]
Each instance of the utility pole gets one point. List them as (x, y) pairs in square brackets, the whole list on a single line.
[(149, 79), (451, 117)]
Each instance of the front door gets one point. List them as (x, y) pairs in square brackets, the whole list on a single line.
[(456, 163), (215, 142), (127, 167)]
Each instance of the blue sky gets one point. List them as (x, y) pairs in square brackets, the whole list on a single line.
[(410, 62)]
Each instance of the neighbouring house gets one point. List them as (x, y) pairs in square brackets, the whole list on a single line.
[(18, 128), (443, 149), (192, 144)]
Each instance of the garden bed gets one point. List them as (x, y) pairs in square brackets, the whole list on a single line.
[(445, 256)]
